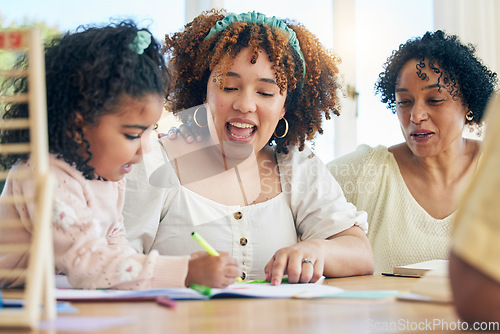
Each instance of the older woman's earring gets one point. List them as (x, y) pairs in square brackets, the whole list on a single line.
[(286, 129), (469, 116), (194, 118), (78, 139)]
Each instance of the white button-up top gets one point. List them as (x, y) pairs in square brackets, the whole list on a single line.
[(160, 214)]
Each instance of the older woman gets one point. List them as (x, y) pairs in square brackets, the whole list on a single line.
[(436, 86), (258, 87)]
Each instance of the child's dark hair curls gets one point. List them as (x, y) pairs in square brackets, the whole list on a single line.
[(464, 75), (309, 98), (87, 74)]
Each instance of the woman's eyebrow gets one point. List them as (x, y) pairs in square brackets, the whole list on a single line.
[(423, 88), (266, 80), (141, 127), (438, 86), (233, 74)]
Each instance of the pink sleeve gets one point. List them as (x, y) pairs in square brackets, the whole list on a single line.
[(89, 237), (90, 245)]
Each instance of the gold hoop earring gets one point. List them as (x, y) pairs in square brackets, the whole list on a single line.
[(194, 118), (286, 129), (469, 116)]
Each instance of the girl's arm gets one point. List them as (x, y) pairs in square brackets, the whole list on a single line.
[(90, 247)]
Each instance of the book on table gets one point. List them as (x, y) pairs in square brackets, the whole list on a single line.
[(434, 286), (419, 269)]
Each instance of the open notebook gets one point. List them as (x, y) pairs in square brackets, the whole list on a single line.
[(238, 290)]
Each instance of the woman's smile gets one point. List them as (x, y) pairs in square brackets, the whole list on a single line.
[(240, 130), (248, 105)]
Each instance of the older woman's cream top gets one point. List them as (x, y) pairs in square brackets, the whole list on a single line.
[(160, 213), (401, 232)]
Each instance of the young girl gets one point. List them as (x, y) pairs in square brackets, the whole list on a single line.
[(105, 91)]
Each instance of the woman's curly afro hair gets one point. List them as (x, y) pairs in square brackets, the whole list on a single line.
[(463, 74), (309, 99)]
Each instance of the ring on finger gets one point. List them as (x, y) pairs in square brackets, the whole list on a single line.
[(307, 260)]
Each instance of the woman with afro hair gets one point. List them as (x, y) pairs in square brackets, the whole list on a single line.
[(437, 87), (256, 88)]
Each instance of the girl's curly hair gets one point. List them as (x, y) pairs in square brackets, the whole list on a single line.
[(460, 70), (192, 59), (87, 73)]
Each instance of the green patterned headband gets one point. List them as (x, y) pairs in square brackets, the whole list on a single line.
[(259, 18), (141, 42)]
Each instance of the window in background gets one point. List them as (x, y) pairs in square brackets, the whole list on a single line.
[(159, 16), (382, 26)]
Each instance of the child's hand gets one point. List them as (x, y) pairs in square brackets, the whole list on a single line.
[(212, 271)]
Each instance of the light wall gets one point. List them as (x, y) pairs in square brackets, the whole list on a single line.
[(362, 32)]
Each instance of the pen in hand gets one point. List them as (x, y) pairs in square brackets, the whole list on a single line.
[(203, 243), (210, 250)]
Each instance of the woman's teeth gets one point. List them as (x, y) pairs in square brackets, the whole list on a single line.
[(240, 130), (241, 125)]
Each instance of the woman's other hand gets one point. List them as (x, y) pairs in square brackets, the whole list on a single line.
[(344, 254), (303, 262)]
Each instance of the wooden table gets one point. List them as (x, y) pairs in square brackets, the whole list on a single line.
[(262, 316)]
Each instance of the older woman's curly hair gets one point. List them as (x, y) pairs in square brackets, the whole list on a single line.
[(193, 58), (87, 73), (461, 72)]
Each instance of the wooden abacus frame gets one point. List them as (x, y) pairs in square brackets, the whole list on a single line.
[(38, 292)]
